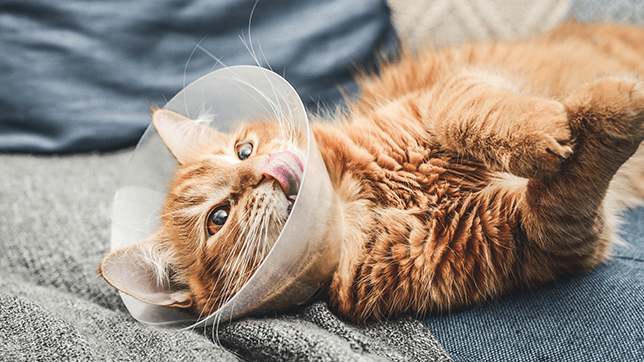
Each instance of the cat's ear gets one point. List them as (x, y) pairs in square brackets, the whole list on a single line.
[(142, 270), (183, 135)]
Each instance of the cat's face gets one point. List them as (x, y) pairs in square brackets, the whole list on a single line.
[(226, 207)]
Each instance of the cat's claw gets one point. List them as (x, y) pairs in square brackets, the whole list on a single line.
[(558, 148), (539, 141), (540, 156)]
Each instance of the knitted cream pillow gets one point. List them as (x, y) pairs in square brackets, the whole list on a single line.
[(444, 22)]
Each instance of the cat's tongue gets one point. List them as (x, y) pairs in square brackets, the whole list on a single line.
[(287, 169)]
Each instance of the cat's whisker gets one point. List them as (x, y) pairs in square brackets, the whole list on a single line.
[(247, 254), (185, 71), (225, 275), (232, 269), (218, 61), (264, 241), (274, 107), (159, 218), (249, 45), (256, 241), (241, 262)]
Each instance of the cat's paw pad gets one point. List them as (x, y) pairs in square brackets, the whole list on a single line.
[(611, 106)]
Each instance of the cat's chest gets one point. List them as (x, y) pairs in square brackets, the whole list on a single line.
[(393, 160), (413, 179)]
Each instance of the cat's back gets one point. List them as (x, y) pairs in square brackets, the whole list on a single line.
[(551, 64)]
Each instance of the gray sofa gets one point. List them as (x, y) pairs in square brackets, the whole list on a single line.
[(76, 78)]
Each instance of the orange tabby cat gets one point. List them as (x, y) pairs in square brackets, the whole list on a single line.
[(462, 174)]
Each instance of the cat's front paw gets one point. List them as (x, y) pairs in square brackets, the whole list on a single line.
[(543, 141), (539, 156)]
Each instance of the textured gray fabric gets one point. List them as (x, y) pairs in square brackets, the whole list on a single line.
[(316, 334), (54, 231)]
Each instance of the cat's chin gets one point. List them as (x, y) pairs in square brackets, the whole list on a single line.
[(276, 201), (291, 202)]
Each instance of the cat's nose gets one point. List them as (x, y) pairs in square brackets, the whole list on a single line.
[(287, 169)]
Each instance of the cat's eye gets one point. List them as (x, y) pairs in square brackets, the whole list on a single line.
[(244, 150), (217, 219)]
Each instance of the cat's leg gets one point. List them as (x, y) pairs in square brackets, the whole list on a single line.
[(564, 218), (488, 118), (568, 153), (577, 159)]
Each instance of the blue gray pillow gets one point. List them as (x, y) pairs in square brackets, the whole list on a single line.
[(78, 76)]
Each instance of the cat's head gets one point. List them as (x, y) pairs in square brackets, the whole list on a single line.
[(225, 208)]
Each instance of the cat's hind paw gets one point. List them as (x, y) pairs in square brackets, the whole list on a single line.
[(610, 108)]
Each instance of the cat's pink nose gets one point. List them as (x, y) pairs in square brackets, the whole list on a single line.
[(287, 169)]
